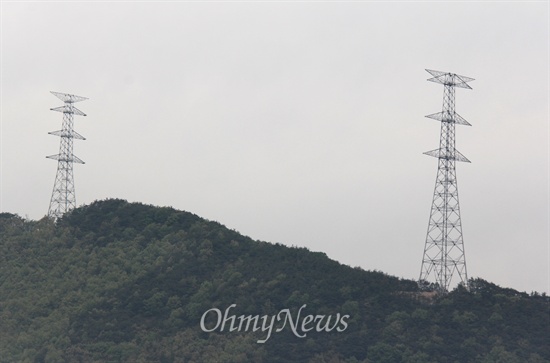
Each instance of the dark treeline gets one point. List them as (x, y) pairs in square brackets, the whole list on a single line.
[(126, 282)]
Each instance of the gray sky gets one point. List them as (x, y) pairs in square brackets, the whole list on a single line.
[(299, 123)]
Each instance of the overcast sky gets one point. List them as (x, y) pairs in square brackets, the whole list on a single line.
[(293, 122)]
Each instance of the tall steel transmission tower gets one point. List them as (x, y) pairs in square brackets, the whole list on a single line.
[(444, 257), (63, 195)]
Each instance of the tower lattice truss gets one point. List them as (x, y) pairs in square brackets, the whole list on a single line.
[(63, 195), (444, 260)]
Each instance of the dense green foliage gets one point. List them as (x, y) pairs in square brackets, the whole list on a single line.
[(126, 282)]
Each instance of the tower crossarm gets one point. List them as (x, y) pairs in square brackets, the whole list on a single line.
[(449, 79), (69, 108), (442, 154), (68, 98), (67, 133), (451, 117), (66, 158)]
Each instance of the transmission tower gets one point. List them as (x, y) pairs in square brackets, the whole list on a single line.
[(63, 195), (444, 257)]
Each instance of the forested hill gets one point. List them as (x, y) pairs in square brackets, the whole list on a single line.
[(126, 282)]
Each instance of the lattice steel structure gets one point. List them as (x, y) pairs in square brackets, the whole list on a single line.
[(63, 195), (444, 260)]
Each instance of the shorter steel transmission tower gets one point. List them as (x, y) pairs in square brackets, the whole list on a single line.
[(63, 195), (444, 257)]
